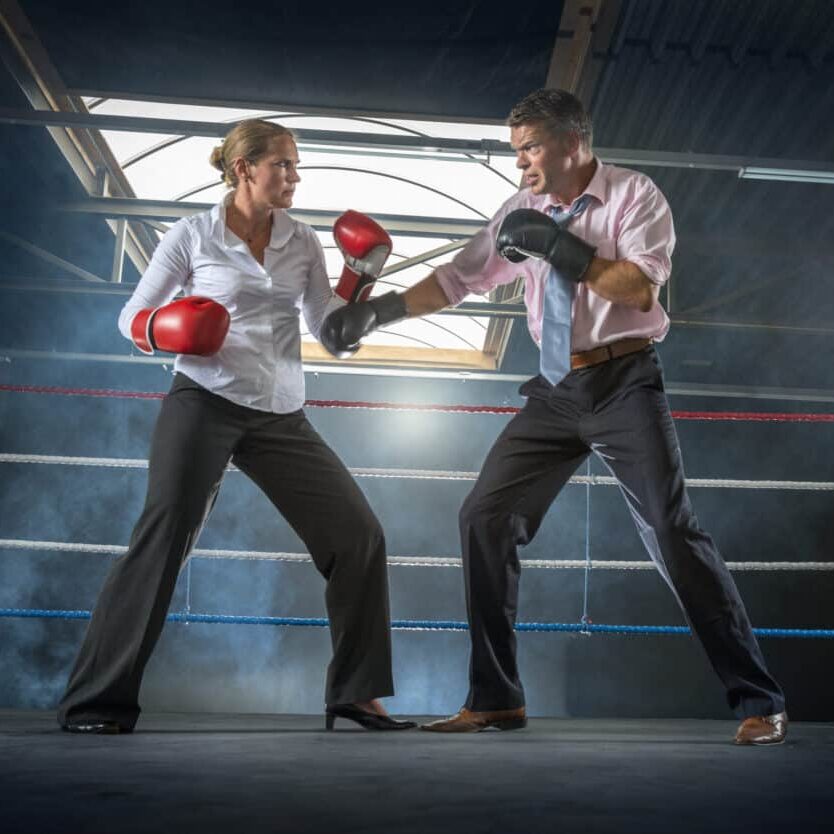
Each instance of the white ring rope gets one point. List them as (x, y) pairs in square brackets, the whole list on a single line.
[(434, 474), (403, 561)]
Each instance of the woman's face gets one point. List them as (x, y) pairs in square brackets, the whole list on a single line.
[(273, 177)]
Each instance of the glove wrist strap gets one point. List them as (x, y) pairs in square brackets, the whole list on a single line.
[(389, 308), (149, 330), (571, 256)]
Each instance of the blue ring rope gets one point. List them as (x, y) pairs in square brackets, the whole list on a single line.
[(433, 625)]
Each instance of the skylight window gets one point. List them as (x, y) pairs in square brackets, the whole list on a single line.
[(424, 184)]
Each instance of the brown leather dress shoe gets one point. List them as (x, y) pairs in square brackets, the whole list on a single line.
[(763, 729), (467, 721)]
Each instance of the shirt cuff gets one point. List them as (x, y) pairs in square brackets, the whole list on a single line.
[(654, 271), (453, 288)]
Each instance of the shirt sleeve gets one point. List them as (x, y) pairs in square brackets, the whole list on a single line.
[(478, 268), (647, 234), (167, 273), (317, 293)]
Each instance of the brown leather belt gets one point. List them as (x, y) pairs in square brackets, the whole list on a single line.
[(602, 354)]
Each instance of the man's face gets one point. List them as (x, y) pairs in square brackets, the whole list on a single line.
[(543, 157)]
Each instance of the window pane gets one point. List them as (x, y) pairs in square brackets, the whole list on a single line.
[(371, 180)]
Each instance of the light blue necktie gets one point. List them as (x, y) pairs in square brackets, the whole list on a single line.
[(558, 300)]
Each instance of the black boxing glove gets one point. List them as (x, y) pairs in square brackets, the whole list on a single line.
[(527, 233), (343, 330)]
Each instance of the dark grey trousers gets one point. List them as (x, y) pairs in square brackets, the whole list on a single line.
[(196, 435), (619, 411)]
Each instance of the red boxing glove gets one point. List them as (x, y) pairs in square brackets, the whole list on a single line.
[(365, 246), (193, 324)]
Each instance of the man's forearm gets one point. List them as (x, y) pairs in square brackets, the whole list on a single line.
[(425, 297), (621, 282)]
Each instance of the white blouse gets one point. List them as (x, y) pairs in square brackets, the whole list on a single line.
[(259, 365)]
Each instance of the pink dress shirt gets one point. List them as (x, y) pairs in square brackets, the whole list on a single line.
[(627, 218)]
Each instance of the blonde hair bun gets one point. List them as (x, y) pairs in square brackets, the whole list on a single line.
[(250, 140)]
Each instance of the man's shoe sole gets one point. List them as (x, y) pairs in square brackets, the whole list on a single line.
[(759, 743), (511, 724)]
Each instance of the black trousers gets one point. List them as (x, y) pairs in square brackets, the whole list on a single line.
[(619, 411), (196, 435)]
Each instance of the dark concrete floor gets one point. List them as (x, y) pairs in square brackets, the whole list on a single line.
[(251, 773)]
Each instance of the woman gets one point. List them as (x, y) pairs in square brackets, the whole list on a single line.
[(237, 397)]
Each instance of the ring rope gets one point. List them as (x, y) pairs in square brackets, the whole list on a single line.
[(429, 474), (401, 561), (736, 416), (415, 625)]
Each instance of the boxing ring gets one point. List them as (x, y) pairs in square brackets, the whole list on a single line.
[(214, 772)]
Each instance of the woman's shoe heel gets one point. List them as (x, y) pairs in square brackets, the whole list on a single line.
[(329, 720)]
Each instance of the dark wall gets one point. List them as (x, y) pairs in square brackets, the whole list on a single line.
[(461, 58), (35, 180)]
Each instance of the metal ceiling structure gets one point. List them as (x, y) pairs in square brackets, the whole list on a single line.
[(729, 106)]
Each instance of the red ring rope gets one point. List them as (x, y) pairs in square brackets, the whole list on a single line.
[(735, 416)]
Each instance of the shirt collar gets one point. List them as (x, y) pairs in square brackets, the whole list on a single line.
[(596, 188), (283, 226)]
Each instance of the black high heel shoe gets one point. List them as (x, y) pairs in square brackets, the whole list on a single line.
[(368, 720)]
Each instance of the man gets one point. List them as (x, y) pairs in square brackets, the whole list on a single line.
[(592, 306)]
